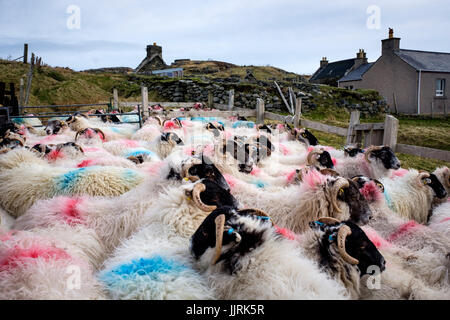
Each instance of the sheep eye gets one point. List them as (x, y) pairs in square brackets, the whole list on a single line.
[(304, 135), (426, 181)]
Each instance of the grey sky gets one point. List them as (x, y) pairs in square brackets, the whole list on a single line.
[(292, 35)]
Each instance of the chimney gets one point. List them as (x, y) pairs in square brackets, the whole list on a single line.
[(323, 62), (360, 58), (154, 49), (391, 44)]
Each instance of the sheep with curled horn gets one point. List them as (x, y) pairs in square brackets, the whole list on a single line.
[(242, 254), (318, 195), (55, 126), (89, 133), (423, 249), (11, 140), (320, 159), (163, 239), (166, 144), (376, 162)]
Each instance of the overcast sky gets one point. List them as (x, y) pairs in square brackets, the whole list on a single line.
[(292, 35)]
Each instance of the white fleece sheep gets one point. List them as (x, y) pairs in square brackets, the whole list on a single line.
[(39, 266), (440, 219), (272, 270), (408, 197), (21, 186)]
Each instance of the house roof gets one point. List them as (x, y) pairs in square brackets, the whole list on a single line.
[(425, 60), (335, 69), (357, 73)]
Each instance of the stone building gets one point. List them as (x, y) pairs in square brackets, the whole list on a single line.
[(330, 73), (153, 60), (411, 81)]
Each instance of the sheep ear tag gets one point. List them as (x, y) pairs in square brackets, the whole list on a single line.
[(341, 192)]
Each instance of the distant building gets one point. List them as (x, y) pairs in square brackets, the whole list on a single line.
[(330, 73), (412, 81), (173, 72), (153, 60)]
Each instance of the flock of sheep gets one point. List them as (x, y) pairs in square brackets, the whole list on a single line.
[(214, 208)]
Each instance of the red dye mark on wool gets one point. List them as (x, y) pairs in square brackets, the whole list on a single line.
[(71, 214), (404, 229)]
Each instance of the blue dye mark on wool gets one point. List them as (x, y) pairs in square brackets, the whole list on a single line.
[(139, 152), (18, 120), (70, 178), (151, 267), (259, 184), (240, 124), (130, 174), (388, 199), (130, 118), (116, 130)]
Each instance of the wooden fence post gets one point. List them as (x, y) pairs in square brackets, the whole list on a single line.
[(21, 94), (230, 100), (260, 111), (298, 112), (25, 53), (30, 79), (210, 99), (115, 100), (144, 93), (354, 120), (390, 132)]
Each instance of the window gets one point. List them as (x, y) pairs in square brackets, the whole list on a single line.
[(440, 87)]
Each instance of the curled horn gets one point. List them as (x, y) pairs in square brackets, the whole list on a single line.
[(101, 132), (329, 172), (79, 132), (343, 232), (159, 120), (256, 212), (199, 188), (369, 151), (338, 185), (187, 166), (328, 220), (309, 159), (422, 175), (220, 226)]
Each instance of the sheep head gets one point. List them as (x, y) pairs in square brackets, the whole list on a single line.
[(208, 196), (196, 168), (305, 136), (347, 191), (88, 130), (431, 180), (55, 127), (319, 158), (383, 154), (228, 235), (346, 241), (353, 151)]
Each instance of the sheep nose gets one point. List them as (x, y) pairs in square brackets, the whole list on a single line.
[(383, 264)]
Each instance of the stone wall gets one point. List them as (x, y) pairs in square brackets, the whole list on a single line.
[(246, 94)]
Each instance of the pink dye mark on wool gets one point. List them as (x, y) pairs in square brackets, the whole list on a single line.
[(404, 229), (376, 238), (286, 233), (86, 163), (444, 220), (47, 139), (290, 176), (371, 192), (170, 125), (313, 179), (310, 149), (130, 143), (280, 127), (187, 123), (208, 150), (70, 212), (255, 171), (189, 151), (398, 173), (55, 155), (284, 150), (18, 256), (228, 134), (154, 169), (230, 180), (8, 235), (334, 161)]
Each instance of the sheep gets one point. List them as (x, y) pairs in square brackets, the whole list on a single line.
[(42, 264), (411, 195), (377, 162), (55, 127), (317, 196), (22, 185), (443, 174), (115, 219), (422, 248), (355, 249), (160, 247), (244, 257), (440, 219)]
